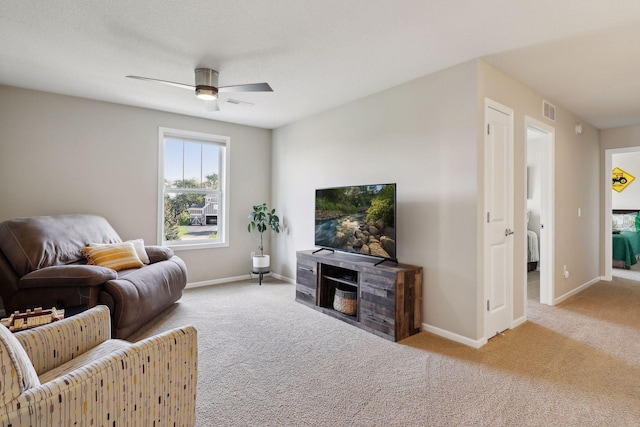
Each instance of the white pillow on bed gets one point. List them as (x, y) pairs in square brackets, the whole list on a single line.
[(624, 222)]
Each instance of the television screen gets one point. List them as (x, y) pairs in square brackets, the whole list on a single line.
[(359, 219)]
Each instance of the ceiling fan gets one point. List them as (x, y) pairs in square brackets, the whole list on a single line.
[(206, 86)]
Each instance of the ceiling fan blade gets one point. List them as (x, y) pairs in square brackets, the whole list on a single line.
[(251, 87), (212, 105), (181, 85)]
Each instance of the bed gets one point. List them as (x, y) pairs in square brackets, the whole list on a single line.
[(625, 238), (533, 253)]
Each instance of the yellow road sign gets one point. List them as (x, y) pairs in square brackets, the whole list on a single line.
[(621, 179)]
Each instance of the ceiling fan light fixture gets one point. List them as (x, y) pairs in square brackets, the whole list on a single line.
[(207, 93), (206, 87)]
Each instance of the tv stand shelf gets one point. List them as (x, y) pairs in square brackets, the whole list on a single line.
[(389, 297), (342, 280)]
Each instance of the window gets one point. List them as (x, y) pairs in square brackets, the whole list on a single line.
[(193, 189)]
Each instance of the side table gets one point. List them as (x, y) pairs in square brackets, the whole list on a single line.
[(260, 271)]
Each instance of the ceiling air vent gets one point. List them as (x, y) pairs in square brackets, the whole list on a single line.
[(548, 110), (238, 102)]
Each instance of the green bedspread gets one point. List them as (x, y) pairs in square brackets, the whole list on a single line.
[(623, 247), (634, 239)]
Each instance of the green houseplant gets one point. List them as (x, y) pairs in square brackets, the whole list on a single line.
[(261, 218)]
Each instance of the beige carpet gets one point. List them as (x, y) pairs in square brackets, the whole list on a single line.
[(265, 360)]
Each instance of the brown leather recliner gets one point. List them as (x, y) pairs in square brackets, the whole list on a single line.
[(42, 265)]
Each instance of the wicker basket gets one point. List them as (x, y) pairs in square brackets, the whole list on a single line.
[(345, 302)]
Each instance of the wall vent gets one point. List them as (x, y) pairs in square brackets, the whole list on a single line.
[(548, 110)]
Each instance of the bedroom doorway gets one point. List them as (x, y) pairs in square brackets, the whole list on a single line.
[(539, 206), (609, 205)]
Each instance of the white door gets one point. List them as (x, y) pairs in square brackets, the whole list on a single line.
[(498, 230)]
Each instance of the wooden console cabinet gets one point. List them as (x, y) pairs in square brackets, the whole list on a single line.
[(389, 295)]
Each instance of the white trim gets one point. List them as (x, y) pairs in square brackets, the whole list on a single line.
[(203, 283), (576, 290), (454, 337), (160, 205), (178, 246), (519, 321), (225, 177), (224, 185), (283, 278), (213, 282), (525, 240), (201, 136), (608, 227)]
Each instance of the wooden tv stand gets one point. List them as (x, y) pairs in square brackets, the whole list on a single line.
[(389, 296)]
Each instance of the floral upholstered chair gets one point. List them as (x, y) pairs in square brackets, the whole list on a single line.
[(71, 373)]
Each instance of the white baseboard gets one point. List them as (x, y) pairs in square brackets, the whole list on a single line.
[(454, 337), (284, 279), (576, 290), (464, 340), (217, 281), (235, 279), (517, 322)]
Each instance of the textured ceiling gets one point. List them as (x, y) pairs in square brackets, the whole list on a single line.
[(582, 54)]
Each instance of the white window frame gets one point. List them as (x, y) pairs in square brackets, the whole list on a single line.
[(223, 218)]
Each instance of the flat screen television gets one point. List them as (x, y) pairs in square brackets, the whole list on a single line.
[(359, 219)]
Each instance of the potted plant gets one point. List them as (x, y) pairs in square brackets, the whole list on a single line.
[(260, 219)]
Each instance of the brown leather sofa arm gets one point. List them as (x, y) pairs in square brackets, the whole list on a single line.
[(158, 253), (67, 276), (138, 297)]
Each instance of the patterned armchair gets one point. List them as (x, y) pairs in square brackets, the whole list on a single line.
[(71, 373)]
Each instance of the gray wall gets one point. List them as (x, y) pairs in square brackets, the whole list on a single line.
[(421, 135), (577, 183), (427, 135), (623, 137), (61, 154)]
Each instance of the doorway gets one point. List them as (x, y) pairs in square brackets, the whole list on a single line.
[(608, 206), (539, 208)]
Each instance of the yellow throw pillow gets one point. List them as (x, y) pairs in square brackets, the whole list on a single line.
[(117, 256)]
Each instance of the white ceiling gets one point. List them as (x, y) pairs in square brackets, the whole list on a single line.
[(318, 54)]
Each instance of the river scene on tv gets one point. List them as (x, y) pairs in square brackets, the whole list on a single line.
[(357, 219)]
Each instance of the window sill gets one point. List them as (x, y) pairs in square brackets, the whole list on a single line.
[(194, 246)]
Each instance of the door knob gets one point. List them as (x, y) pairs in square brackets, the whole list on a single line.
[(507, 232)]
